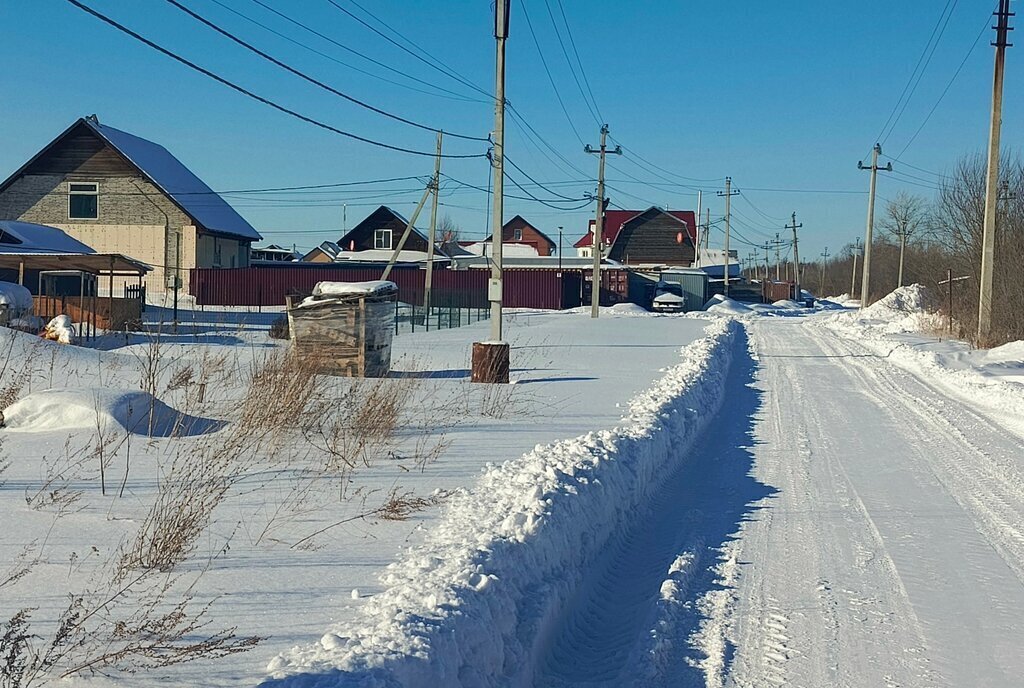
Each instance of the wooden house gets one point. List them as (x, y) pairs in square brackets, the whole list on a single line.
[(645, 237), (326, 252), (519, 231), (119, 193), (381, 230)]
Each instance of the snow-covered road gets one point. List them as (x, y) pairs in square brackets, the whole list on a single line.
[(891, 552)]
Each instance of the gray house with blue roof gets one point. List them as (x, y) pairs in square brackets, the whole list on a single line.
[(119, 193)]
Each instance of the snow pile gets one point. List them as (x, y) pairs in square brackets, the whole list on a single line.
[(15, 298), (60, 329), (84, 409), (371, 288), (726, 306), (469, 607), (788, 303), (895, 327)]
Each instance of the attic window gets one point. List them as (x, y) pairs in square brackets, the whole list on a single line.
[(517, 235), (382, 239), (8, 239), (82, 200)]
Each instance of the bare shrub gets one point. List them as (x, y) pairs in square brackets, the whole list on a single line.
[(279, 328), (57, 490)]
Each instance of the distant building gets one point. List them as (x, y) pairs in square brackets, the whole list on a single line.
[(119, 193), (376, 237), (519, 231), (326, 252), (645, 237), (273, 254)]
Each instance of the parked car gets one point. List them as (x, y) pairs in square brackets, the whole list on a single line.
[(668, 298)]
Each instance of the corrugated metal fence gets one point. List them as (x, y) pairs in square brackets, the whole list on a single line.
[(522, 288)]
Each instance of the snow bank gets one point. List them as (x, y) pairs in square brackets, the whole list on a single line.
[(349, 288), (894, 327), (82, 409), (471, 605), (726, 306), (15, 297)]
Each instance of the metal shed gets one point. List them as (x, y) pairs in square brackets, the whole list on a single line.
[(694, 285)]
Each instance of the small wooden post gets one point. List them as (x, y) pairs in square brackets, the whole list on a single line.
[(490, 362)]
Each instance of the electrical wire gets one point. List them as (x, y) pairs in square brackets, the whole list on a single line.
[(579, 62), (572, 68), (444, 93), (240, 89), (547, 70), (316, 82)]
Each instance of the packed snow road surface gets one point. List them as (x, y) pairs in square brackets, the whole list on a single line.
[(892, 551)]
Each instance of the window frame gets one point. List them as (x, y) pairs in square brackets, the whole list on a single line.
[(517, 235), (95, 193), (381, 232)]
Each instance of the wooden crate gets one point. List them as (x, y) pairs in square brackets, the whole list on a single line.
[(345, 337)]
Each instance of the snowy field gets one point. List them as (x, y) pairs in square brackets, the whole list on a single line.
[(751, 496), (263, 566)]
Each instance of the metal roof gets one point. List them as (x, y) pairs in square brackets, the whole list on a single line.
[(168, 174), (28, 237), (94, 263)]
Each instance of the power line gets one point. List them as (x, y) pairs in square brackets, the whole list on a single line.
[(547, 71), (447, 72), (451, 95), (914, 73), (266, 101), (316, 82), (523, 172), (572, 68), (579, 62), (346, 48), (946, 89)]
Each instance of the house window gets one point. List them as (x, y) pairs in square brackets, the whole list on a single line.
[(517, 235), (83, 200), (382, 238)]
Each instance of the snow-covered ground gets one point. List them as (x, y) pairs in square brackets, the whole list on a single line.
[(571, 375), (751, 496)]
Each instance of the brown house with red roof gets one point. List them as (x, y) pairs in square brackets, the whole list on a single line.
[(645, 237)]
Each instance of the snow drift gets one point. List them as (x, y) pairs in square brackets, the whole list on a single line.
[(471, 606), (82, 409)]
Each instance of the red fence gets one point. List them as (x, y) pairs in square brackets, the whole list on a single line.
[(522, 288)]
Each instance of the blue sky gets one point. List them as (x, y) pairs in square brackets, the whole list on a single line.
[(777, 95)]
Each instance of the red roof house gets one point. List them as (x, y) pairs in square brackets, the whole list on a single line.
[(652, 236)]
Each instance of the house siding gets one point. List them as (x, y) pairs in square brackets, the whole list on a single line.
[(530, 236), (361, 236)]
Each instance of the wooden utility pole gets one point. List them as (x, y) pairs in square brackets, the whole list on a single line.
[(853, 278), (490, 362), (696, 255), (595, 285), (865, 283), (778, 260), (428, 280), (796, 258), (728, 193), (988, 241), (767, 267)]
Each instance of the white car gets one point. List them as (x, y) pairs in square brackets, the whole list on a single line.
[(668, 298)]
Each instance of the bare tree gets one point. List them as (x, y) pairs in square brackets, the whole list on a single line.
[(447, 231), (905, 216)]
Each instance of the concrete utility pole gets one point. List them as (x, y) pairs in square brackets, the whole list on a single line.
[(988, 241), (595, 285), (778, 260), (796, 258), (767, 267), (865, 283), (728, 193), (490, 361), (853, 278), (435, 183), (824, 261)]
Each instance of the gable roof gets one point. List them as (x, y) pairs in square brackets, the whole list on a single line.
[(615, 219), (328, 248), (167, 173), (533, 226), (343, 242), (28, 237)]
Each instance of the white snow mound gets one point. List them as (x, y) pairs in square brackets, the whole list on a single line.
[(726, 306), (82, 409), (348, 288), (15, 297)]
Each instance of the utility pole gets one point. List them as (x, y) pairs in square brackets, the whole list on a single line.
[(796, 258), (767, 268), (824, 260), (707, 230), (728, 193), (778, 260), (490, 362), (853, 278), (595, 285), (865, 283), (696, 255), (988, 241), (560, 250), (435, 183)]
